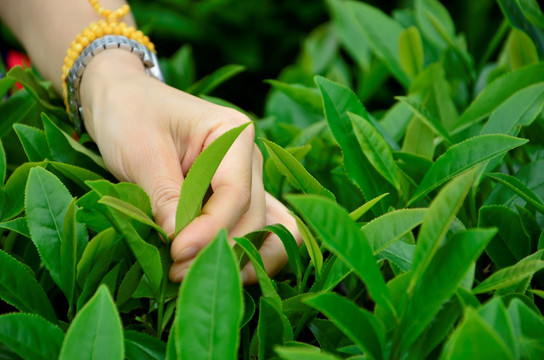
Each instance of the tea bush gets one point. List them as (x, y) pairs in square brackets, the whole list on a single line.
[(422, 216)]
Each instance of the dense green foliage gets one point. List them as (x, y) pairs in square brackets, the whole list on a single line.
[(422, 223)]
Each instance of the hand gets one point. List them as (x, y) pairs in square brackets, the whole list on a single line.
[(150, 134)]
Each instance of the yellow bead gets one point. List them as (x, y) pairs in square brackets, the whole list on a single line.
[(85, 41)]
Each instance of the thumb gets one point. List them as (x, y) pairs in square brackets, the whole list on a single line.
[(161, 177)]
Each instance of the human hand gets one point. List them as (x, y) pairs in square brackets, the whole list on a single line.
[(150, 134)]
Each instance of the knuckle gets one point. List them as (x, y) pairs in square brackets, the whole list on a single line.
[(164, 191)]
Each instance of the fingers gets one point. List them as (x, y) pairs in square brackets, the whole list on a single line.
[(158, 171), (231, 198), (272, 251)]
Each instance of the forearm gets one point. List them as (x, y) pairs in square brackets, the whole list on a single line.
[(46, 28)]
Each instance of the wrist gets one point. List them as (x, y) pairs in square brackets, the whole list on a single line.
[(106, 70)]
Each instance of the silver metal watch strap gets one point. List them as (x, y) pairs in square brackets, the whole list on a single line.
[(149, 60)]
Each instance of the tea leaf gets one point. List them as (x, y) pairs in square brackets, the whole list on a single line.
[(338, 100), (509, 276), (376, 149), (208, 83), (498, 91), (532, 11), (5, 84), (199, 177), (358, 324), (134, 213), (210, 299), (400, 254), (424, 115), (21, 290), (438, 282), (293, 353), (267, 286), (19, 225), (435, 22), (65, 149), (519, 188), (386, 229), (2, 165), (438, 219), (33, 141), (293, 170), (522, 49), (96, 332), (511, 244), (271, 330), (528, 329), (68, 252), (361, 210), (129, 284), (495, 315), (16, 108), (30, 336), (519, 109), (307, 97), (77, 174), (316, 256), (462, 156), (46, 203), (411, 51), (144, 347), (344, 238), (382, 33), (97, 251), (14, 190), (474, 338)]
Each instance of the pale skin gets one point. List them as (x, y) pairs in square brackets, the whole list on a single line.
[(150, 134)]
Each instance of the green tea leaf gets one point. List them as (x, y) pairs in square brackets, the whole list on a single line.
[(495, 315), (358, 324), (438, 219), (68, 252), (293, 170), (210, 299), (522, 50), (411, 51), (265, 282), (428, 119), (532, 11), (33, 141), (199, 177), (338, 100), (419, 139), (400, 254), (528, 329), (96, 332), (475, 339), (511, 244), (361, 210), (30, 336), (134, 213), (21, 290), (208, 83), (344, 238), (376, 149), (462, 156), (46, 203), (293, 353), (16, 108), (77, 174), (382, 34), (5, 84), (388, 228), (519, 109), (129, 284), (99, 248), (2, 165), (19, 225), (311, 245), (271, 331), (15, 190), (438, 282), (143, 347), (519, 188), (509, 276), (65, 149), (307, 97), (26, 78), (497, 92)]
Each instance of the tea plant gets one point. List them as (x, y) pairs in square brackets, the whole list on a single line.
[(422, 224)]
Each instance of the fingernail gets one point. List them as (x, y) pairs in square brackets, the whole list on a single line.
[(186, 254)]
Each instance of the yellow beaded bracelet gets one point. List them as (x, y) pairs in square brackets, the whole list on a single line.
[(110, 26)]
